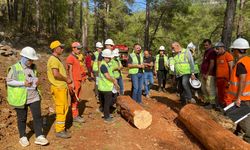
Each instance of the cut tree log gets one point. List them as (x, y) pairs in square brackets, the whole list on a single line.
[(133, 112), (207, 131)]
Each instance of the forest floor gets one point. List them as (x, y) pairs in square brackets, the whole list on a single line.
[(165, 132)]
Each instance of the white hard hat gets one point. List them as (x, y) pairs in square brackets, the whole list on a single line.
[(98, 45), (162, 48), (191, 46), (107, 53), (29, 53), (195, 83), (116, 52), (240, 43), (109, 42)]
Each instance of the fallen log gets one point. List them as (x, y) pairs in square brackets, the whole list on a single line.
[(207, 131), (133, 112)]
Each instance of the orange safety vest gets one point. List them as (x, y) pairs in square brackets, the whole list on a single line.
[(235, 81)]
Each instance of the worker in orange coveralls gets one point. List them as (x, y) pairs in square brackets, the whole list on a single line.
[(224, 63), (74, 71)]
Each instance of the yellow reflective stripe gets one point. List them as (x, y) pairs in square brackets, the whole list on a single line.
[(237, 83), (60, 122), (235, 94)]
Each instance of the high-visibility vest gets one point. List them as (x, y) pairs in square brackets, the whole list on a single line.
[(157, 61), (182, 65), (234, 81), (135, 61), (17, 96), (115, 64), (171, 63), (196, 67), (95, 64), (103, 83)]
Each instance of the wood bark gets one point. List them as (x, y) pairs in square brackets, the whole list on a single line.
[(146, 34), (133, 112), (71, 14), (228, 22), (23, 15), (241, 19), (85, 24), (16, 10), (207, 131), (96, 24), (37, 15)]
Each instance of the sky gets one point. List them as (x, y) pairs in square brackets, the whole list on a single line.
[(138, 5)]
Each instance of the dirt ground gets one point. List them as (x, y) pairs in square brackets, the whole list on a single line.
[(165, 132)]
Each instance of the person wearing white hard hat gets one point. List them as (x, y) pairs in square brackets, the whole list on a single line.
[(22, 82), (208, 72), (106, 84), (116, 66), (224, 66), (239, 88), (109, 43), (96, 64), (184, 70), (161, 63), (135, 65)]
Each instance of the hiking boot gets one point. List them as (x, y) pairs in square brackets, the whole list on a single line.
[(108, 120), (41, 140), (147, 96), (164, 90), (78, 119), (63, 134), (24, 141), (159, 90)]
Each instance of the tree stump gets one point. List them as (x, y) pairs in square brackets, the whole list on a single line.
[(207, 131), (133, 112)]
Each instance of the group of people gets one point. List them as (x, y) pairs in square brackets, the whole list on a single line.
[(223, 80)]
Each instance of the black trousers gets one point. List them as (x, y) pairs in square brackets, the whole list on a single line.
[(106, 99), (22, 118), (162, 76)]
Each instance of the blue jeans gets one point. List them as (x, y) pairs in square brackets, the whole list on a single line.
[(148, 81), (184, 88), (137, 82), (120, 83)]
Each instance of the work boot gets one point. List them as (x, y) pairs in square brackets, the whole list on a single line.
[(78, 119), (63, 134)]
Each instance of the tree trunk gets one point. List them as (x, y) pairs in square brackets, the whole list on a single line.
[(37, 16), (85, 25), (81, 11), (23, 15), (228, 22), (133, 112), (96, 24), (156, 28), (16, 10), (241, 19), (9, 10), (71, 14), (207, 131), (146, 36)]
